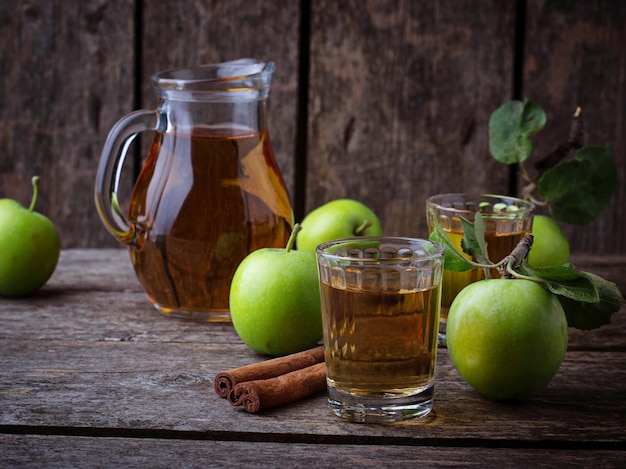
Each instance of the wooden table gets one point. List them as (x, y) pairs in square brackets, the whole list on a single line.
[(92, 376)]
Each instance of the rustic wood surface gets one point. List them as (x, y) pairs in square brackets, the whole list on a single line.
[(399, 103), (575, 56), (68, 76), (386, 101), (91, 375)]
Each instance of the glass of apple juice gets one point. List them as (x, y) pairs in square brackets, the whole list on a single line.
[(381, 300), (506, 221)]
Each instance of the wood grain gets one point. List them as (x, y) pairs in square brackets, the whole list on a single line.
[(575, 56), (87, 367), (399, 94), (93, 346), (115, 385), (400, 97), (64, 451), (67, 77)]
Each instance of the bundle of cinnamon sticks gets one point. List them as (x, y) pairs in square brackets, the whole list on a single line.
[(273, 382)]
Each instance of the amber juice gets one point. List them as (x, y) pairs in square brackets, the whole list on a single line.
[(499, 245), (380, 343), (198, 213)]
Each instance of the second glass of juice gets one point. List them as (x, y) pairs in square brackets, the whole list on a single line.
[(506, 220)]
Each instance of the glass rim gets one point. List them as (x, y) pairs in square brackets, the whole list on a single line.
[(246, 77), (436, 252), (435, 201)]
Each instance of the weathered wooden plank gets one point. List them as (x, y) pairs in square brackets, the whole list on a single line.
[(574, 56), (127, 315), (107, 316), (67, 77), (394, 84), (70, 451), (89, 358), (111, 269), (194, 32), (152, 388), (94, 295), (399, 101)]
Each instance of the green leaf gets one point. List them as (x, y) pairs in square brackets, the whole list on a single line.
[(473, 242), (564, 280), (510, 128), (577, 190), (453, 260), (585, 316), (587, 299)]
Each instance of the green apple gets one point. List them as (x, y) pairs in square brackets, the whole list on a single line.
[(506, 338), (550, 246), (341, 218), (275, 301), (30, 247)]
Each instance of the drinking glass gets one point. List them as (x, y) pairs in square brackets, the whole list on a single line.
[(380, 310), (506, 221)]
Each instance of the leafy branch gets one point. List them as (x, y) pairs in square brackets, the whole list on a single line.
[(575, 189), (587, 299)]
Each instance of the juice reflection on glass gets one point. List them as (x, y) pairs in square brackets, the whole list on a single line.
[(506, 220)]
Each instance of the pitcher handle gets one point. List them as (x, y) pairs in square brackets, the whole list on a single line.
[(110, 169)]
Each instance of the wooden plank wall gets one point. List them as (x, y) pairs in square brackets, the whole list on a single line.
[(385, 101)]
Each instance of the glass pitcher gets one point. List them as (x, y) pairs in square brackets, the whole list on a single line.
[(209, 191)]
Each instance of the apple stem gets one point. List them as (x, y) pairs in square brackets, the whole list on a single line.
[(33, 201), (518, 254), (359, 230), (292, 238)]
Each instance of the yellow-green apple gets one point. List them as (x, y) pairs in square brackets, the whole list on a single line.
[(275, 301), (506, 338), (341, 218), (550, 246), (29, 247)]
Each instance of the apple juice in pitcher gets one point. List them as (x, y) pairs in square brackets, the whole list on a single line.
[(209, 192), (212, 213)]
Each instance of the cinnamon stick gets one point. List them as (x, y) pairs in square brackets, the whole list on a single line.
[(273, 392), (225, 381)]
